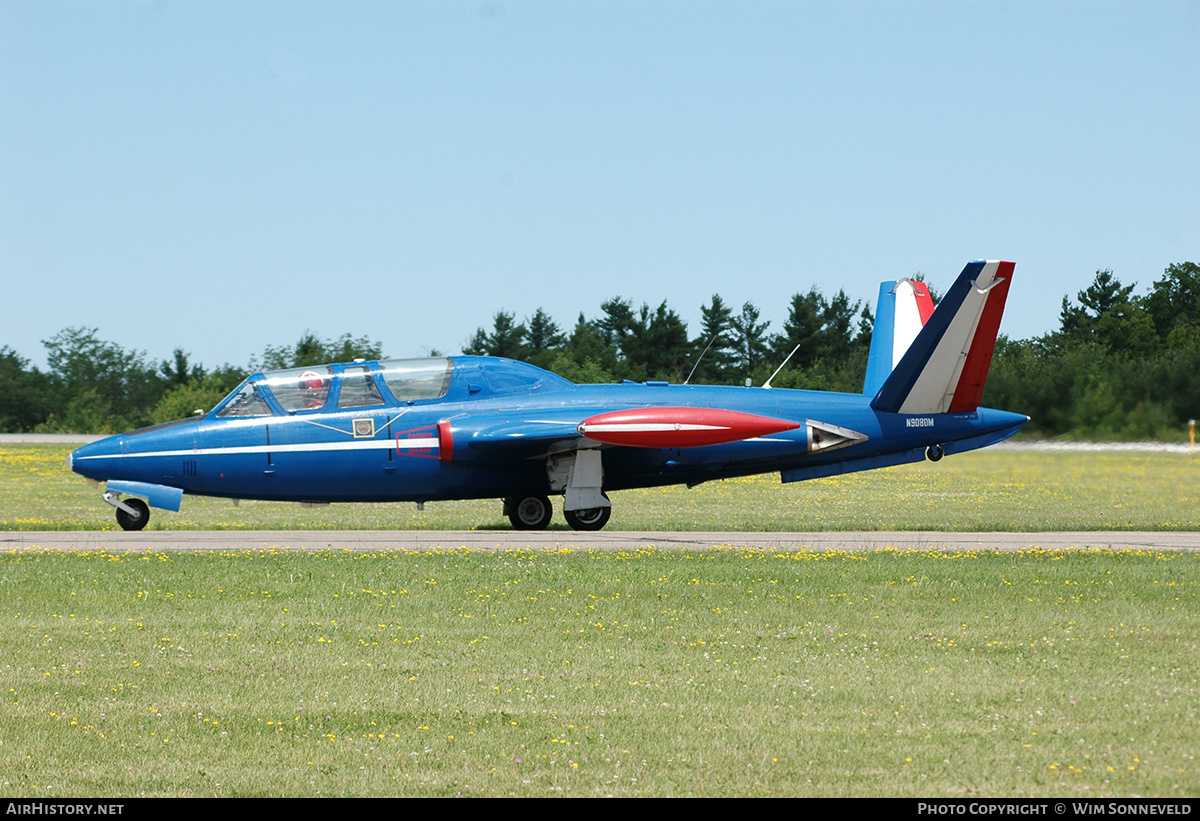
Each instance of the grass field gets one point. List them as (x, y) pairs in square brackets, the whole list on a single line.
[(719, 672), (660, 672), (993, 490)]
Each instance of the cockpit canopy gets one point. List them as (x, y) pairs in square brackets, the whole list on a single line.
[(388, 382), (359, 385)]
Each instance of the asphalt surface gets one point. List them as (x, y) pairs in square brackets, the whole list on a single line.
[(163, 540)]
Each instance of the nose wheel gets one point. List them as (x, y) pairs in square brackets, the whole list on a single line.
[(136, 520), (132, 514)]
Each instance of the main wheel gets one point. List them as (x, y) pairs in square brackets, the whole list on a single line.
[(137, 520), (529, 512), (590, 519)]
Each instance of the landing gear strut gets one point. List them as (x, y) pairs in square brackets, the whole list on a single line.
[(528, 512)]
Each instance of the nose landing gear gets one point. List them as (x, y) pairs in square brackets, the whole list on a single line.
[(132, 514)]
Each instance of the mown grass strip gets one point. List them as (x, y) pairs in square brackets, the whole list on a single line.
[(716, 672), (993, 490)]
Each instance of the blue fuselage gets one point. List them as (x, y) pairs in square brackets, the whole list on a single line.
[(490, 432)]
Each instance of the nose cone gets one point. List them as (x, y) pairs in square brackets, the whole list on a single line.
[(95, 459)]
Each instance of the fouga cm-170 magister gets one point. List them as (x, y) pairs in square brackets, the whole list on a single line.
[(480, 427)]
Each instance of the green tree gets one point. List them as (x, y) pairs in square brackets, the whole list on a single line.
[(347, 348), (714, 355), (505, 339), (820, 329), (1105, 294), (750, 340), (802, 330), (1174, 300), (650, 344), (1110, 316), (616, 326), (543, 339), (98, 383), (657, 345), (585, 357), (587, 372), (178, 371), (199, 393), (311, 349), (27, 393), (838, 332)]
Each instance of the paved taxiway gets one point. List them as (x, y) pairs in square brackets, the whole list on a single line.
[(560, 539)]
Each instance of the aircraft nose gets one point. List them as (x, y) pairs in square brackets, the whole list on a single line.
[(89, 460)]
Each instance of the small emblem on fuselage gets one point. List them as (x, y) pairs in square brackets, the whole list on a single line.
[(364, 427)]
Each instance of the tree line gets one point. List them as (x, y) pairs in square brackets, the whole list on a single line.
[(830, 336), (95, 386), (1118, 366)]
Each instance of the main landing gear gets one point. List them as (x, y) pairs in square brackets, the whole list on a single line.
[(535, 512), (591, 519), (132, 514), (529, 512)]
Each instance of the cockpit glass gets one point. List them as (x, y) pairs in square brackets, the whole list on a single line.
[(246, 402), (413, 379), (300, 389), (358, 388)]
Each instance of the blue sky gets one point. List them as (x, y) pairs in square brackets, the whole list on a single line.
[(221, 176)]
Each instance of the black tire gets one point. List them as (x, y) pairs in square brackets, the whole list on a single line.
[(934, 453), (591, 519), (529, 512), (139, 518)]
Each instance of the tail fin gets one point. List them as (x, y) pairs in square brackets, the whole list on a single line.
[(947, 364), (903, 308)]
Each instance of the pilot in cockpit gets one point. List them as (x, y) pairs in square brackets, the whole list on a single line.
[(313, 389)]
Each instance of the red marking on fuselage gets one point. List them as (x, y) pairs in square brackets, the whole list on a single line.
[(429, 433), (445, 441)]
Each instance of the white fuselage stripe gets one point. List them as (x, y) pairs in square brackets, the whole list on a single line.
[(419, 443), (649, 427)]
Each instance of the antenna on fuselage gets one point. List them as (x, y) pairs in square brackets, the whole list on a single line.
[(702, 353), (767, 384)]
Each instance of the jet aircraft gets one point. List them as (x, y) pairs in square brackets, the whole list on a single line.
[(470, 427)]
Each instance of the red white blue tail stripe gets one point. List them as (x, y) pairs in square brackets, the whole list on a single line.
[(945, 368), (903, 308)]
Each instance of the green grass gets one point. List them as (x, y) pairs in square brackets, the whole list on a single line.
[(989, 490), (718, 672)]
